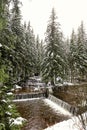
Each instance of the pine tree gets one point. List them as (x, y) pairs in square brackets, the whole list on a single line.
[(8, 112), (6, 37), (30, 54), (72, 55), (3, 10), (81, 51), (53, 64), (19, 42), (42, 54), (77, 55), (39, 54)]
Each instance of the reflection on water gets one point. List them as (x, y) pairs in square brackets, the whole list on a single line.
[(38, 114)]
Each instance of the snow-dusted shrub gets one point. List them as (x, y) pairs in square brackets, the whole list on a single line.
[(9, 117)]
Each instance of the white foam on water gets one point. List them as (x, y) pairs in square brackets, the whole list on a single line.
[(57, 108), (28, 99)]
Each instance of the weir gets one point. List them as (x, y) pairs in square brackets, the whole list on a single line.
[(65, 105), (28, 95)]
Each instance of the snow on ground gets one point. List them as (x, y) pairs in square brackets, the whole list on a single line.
[(71, 124), (57, 108)]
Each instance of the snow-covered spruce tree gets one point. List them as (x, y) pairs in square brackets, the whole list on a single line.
[(39, 55), (42, 54), (72, 56), (9, 117), (8, 113), (5, 34), (3, 12), (38, 63), (54, 61), (81, 52), (66, 53), (19, 42), (30, 54)]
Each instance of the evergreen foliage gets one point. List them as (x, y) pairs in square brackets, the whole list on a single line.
[(39, 55), (19, 42), (81, 51), (22, 55), (77, 56), (72, 55), (53, 64), (30, 51), (8, 111)]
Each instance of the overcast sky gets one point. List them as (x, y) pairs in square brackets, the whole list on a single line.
[(70, 14)]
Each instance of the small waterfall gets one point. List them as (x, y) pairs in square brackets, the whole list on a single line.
[(64, 105), (26, 96)]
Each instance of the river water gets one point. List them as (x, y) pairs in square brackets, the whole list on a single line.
[(39, 115), (75, 95)]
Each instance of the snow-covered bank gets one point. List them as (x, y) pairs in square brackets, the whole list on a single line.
[(74, 123), (71, 124), (57, 108)]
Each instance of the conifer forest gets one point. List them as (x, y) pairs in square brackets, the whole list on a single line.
[(24, 54)]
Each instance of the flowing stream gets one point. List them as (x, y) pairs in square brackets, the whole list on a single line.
[(38, 114)]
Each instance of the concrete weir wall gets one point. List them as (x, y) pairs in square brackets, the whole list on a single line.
[(26, 96), (63, 104)]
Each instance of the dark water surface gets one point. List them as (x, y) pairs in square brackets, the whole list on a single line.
[(38, 114), (76, 95)]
